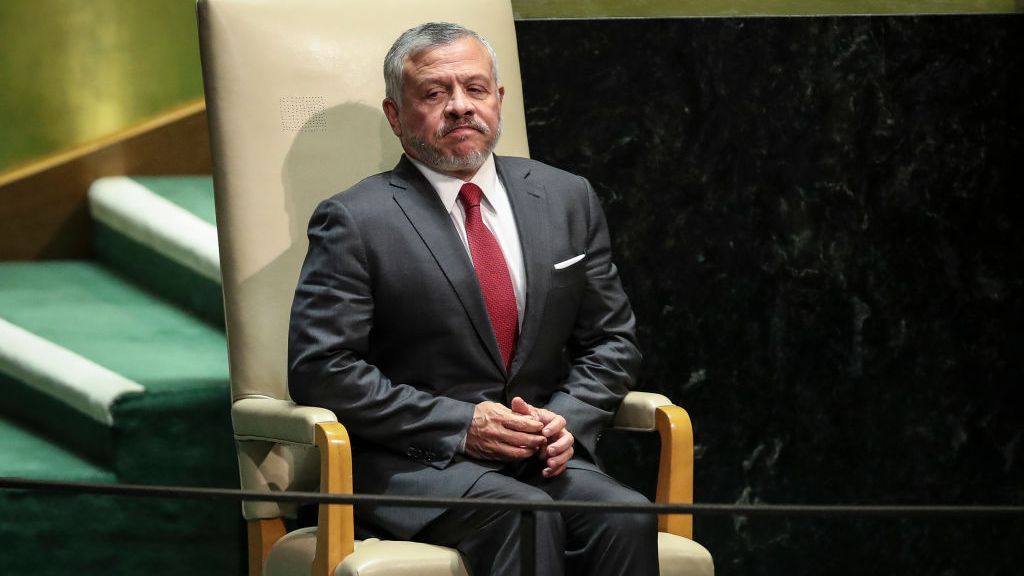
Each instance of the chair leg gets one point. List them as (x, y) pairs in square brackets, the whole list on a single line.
[(263, 533)]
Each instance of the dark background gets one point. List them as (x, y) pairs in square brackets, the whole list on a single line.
[(819, 225)]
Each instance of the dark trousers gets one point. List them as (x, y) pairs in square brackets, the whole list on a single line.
[(575, 543)]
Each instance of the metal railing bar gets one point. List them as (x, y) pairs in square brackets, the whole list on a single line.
[(787, 510)]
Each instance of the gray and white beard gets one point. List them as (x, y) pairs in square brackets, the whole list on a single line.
[(438, 160)]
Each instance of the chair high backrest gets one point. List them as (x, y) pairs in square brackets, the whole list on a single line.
[(294, 91)]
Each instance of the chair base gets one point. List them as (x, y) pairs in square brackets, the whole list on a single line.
[(293, 554)]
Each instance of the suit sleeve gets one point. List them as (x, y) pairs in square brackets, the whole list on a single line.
[(328, 345), (603, 352)]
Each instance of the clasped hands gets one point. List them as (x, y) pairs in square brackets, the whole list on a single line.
[(522, 431)]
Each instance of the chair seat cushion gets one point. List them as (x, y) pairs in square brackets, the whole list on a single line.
[(678, 556), (293, 555)]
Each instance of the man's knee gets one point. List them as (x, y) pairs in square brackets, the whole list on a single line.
[(548, 523), (510, 489), (533, 494), (631, 525), (622, 526)]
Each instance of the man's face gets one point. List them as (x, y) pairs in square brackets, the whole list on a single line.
[(450, 118)]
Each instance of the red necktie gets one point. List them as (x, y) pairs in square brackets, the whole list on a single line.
[(492, 271)]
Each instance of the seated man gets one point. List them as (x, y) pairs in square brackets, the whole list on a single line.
[(463, 318)]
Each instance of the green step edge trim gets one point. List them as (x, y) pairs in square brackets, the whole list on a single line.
[(53, 418), (165, 277), (177, 438), (27, 453)]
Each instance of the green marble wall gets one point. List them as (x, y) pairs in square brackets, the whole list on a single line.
[(820, 225), (671, 8)]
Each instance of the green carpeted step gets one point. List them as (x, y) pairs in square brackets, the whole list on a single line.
[(175, 430), (26, 454), (136, 391), (101, 316), (57, 534), (160, 231)]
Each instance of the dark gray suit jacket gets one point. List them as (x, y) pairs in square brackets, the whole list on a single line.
[(390, 331)]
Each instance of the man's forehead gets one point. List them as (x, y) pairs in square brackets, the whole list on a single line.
[(466, 55)]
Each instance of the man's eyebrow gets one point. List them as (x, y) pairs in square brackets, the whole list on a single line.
[(478, 76), (442, 79)]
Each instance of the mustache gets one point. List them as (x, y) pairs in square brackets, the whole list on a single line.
[(465, 121)]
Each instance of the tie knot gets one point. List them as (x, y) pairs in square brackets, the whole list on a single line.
[(470, 195)]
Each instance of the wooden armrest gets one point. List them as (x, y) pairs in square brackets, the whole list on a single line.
[(335, 535), (675, 470), (647, 412)]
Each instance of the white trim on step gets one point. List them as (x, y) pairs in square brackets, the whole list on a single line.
[(59, 372), (146, 217)]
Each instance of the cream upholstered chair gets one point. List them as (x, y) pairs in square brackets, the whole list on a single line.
[(293, 92)]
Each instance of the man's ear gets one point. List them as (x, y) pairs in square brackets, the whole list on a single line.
[(501, 93), (391, 112)]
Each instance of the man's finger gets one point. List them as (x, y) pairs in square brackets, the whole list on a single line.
[(552, 472), (515, 452), (520, 406), (560, 444), (492, 450), (557, 465), (513, 438), (522, 424), (503, 445), (560, 459), (553, 426)]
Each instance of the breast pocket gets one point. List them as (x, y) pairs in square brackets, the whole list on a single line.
[(570, 272)]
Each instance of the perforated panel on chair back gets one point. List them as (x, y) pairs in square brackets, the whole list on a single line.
[(293, 92)]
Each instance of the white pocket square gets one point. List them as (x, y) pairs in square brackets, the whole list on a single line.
[(569, 262)]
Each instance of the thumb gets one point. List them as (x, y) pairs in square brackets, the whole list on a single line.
[(519, 406)]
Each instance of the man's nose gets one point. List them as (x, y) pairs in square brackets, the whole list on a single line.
[(458, 104)]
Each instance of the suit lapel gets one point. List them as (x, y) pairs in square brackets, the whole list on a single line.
[(421, 205), (529, 204)]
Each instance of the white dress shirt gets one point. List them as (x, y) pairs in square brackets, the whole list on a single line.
[(496, 212)]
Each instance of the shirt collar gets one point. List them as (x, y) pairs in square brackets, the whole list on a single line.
[(447, 187)]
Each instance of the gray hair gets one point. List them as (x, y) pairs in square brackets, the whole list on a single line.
[(424, 37)]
